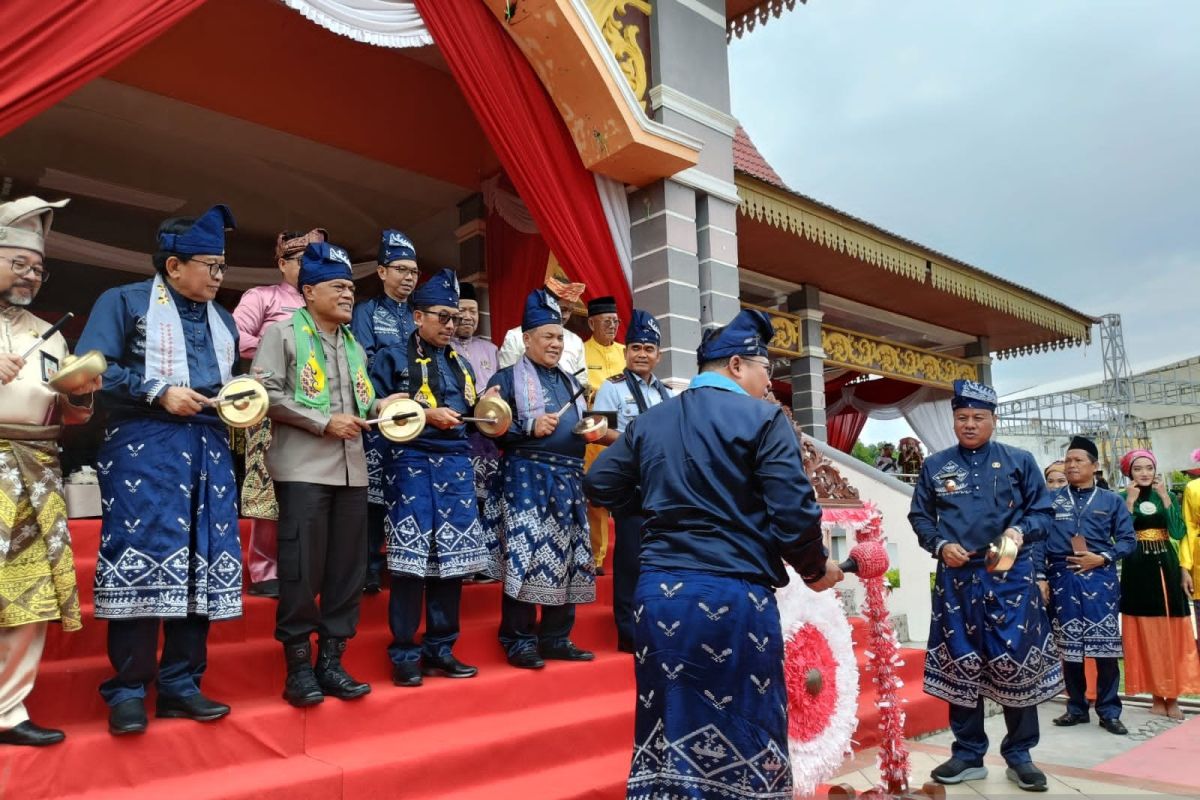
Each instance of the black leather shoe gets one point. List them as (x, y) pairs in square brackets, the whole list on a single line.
[(194, 706), (373, 584), (1114, 726), (301, 688), (1068, 719), (30, 735), (447, 667), (127, 716), (407, 673), (332, 676), (566, 652), (526, 659), (1027, 776), (266, 589)]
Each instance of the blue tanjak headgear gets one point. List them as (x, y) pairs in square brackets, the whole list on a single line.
[(972, 394), (323, 262), (748, 334), (541, 308), (205, 237), (395, 246), (439, 290), (643, 328)]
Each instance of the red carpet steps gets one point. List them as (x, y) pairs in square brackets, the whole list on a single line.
[(563, 733)]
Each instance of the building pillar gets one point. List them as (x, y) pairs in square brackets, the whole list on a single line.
[(472, 259), (979, 354), (666, 272), (808, 370), (716, 251)]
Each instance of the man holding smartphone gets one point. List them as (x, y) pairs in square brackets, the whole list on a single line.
[(1092, 530)]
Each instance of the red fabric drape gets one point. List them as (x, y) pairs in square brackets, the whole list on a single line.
[(516, 262), (532, 141), (843, 430), (49, 48)]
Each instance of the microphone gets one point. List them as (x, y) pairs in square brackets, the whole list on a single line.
[(867, 560)]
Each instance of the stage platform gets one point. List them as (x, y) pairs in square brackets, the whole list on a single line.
[(562, 733)]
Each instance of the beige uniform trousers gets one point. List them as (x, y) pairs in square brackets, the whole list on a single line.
[(20, 652)]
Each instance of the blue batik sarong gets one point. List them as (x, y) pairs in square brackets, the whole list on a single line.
[(711, 715), (433, 528), (485, 459), (537, 517), (990, 637), (1084, 609), (169, 542), (377, 450)]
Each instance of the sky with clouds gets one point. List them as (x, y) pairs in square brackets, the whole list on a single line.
[(1055, 144)]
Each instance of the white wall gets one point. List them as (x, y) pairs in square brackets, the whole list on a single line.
[(893, 498), (1173, 446)]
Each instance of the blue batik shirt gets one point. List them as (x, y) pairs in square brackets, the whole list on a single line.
[(381, 322), (1100, 515), (392, 373), (556, 391)]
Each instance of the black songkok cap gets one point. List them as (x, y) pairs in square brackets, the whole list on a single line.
[(1085, 444), (602, 305), (466, 291)]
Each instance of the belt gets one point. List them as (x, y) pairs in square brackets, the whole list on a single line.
[(29, 433), (1152, 535)]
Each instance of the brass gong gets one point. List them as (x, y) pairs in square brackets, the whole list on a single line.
[(76, 371), (492, 416), (401, 420), (242, 402), (1001, 554), (591, 428)]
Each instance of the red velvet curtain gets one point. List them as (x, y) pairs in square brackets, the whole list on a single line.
[(516, 262), (843, 430), (49, 48), (534, 146)]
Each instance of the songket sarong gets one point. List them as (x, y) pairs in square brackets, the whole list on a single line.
[(537, 516), (989, 636), (37, 568), (169, 540), (711, 714), (258, 492), (485, 460), (377, 449), (433, 527), (1083, 611)]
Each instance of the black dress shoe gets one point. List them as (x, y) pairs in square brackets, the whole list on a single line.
[(526, 659), (1114, 725), (567, 652), (266, 588), (407, 673), (30, 735), (1068, 719), (373, 585), (194, 706), (332, 676), (447, 667), (127, 716)]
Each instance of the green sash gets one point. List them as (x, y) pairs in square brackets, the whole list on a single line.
[(312, 388)]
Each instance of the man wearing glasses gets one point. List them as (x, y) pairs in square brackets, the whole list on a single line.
[(258, 309), (377, 323), (605, 357), (37, 569), (434, 537), (169, 556)]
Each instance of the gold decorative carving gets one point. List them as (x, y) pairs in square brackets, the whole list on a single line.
[(622, 39), (863, 353), (787, 341), (827, 482)]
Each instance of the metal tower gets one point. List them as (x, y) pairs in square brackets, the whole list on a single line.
[(1117, 393)]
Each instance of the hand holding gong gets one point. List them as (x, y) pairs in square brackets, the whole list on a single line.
[(545, 425), (182, 401), (10, 367)]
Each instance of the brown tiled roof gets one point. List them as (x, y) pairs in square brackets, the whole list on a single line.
[(747, 159)]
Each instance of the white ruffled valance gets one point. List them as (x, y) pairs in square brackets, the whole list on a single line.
[(508, 205), (382, 23), (927, 411)]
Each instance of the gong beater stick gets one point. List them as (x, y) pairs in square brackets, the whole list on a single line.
[(53, 329)]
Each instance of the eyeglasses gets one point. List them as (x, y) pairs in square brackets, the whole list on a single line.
[(405, 272), (611, 322), (216, 269), (765, 364), (21, 268), (445, 318)]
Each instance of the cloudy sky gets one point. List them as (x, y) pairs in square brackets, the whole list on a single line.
[(1056, 144)]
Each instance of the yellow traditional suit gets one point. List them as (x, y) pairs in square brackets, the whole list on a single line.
[(1189, 548), (602, 363)]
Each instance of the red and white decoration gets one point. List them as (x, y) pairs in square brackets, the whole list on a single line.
[(822, 682)]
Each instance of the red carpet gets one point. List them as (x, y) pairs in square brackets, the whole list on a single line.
[(1166, 757), (559, 733)]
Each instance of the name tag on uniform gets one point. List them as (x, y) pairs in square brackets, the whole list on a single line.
[(49, 366)]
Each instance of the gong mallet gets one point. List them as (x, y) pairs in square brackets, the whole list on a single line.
[(571, 402), (866, 560), (45, 337)]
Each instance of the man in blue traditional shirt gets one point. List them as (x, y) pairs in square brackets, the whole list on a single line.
[(434, 537), (627, 395), (377, 323), (989, 636), (718, 475), (169, 556), (538, 513), (1084, 587)]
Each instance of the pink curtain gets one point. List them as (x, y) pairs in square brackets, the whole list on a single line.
[(49, 48), (534, 146)]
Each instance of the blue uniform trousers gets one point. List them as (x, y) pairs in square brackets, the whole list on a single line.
[(441, 596), (971, 741), (1108, 676), (519, 629), (626, 551), (132, 645)]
